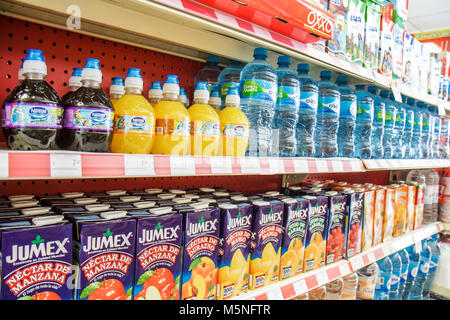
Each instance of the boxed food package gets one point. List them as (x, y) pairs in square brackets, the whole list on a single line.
[(336, 46), (380, 203), (356, 21), (416, 70), (397, 52), (386, 47), (400, 215), (372, 35), (408, 60), (368, 218), (410, 208), (353, 224), (389, 213), (321, 44), (337, 214)]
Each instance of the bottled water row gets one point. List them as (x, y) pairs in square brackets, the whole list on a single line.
[(293, 115)]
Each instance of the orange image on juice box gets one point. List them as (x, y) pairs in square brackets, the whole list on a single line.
[(380, 203), (400, 212), (367, 226), (410, 208), (389, 213)]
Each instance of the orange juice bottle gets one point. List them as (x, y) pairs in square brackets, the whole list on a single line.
[(205, 125), (172, 125), (155, 93), (134, 119)]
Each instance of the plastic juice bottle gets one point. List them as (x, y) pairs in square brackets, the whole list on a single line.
[(214, 100), (209, 73), (183, 97), (116, 90), (155, 93), (234, 127), (32, 112), (229, 77), (134, 121), (172, 128), (205, 123), (74, 84)]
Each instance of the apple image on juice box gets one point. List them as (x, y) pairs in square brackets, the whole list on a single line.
[(268, 230), (104, 247), (234, 252), (335, 232), (295, 224), (158, 255), (36, 258), (353, 224), (200, 253)]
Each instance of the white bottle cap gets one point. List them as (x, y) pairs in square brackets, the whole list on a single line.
[(171, 85), (130, 198), (34, 62), (21, 197), (116, 192), (91, 71), (116, 89), (84, 201), (133, 82)]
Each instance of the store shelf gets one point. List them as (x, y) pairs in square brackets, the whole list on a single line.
[(187, 28), (290, 288), (401, 164)]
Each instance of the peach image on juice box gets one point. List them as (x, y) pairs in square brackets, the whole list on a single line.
[(380, 204), (268, 230), (234, 251), (368, 218), (389, 213), (410, 208), (400, 212)]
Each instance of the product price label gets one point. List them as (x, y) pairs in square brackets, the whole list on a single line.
[(133, 124), (259, 90), (365, 110), (205, 128), (309, 100), (19, 115), (288, 96), (235, 131), (328, 105), (172, 127), (88, 119), (348, 109)]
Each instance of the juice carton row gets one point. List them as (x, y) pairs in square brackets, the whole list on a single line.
[(199, 244)]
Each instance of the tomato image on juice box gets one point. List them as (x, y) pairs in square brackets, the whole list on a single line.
[(380, 203), (36, 259), (234, 253), (296, 214), (389, 213), (410, 208), (158, 255), (315, 243), (353, 223), (200, 254), (401, 210), (266, 249), (368, 217), (104, 251), (337, 208)]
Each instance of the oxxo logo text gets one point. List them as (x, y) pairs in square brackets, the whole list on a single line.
[(320, 22)]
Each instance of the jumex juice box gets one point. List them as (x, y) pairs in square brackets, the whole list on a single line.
[(315, 243), (368, 217), (296, 218), (380, 203), (36, 259), (268, 231), (355, 31), (337, 214), (389, 213), (353, 223), (104, 248), (234, 252), (419, 204), (401, 211), (200, 254), (158, 255)]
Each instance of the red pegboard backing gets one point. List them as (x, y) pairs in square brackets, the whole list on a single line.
[(247, 184), (64, 50), (375, 177)]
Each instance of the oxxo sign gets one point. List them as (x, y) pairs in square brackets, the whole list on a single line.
[(320, 23)]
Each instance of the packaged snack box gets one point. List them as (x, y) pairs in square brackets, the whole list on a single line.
[(408, 60), (296, 214), (380, 204), (386, 47), (336, 46), (401, 211), (355, 207), (397, 52), (355, 31), (234, 252), (335, 235), (368, 218), (372, 35), (389, 213), (36, 259)]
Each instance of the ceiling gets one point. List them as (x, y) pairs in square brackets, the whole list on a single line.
[(428, 15)]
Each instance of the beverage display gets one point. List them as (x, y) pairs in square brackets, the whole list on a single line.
[(32, 113), (209, 73), (88, 114), (399, 128), (408, 133), (134, 120), (394, 288), (434, 261), (183, 97), (389, 122), (416, 290), (413, 267), (444, 150), (117, 89), (367, 281), (155, 93), (426, 130), (404, 256), (74, 84), (229, 77), (383, 286), (415, 151), (364, 119), (379, 109), (347, 119)]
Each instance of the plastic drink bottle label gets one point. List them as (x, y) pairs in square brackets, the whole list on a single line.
[(425, 125), (383, 282), (328, 105), (366, 287), (348, 109), (205, 128), (223, 91), (395, 281), (428, 198), (409, 121), (259, 89), (388, 119), (424, 268), (124, 123), (365, 110), (309, 101), (172, 127), (88, 119), (417, 125), (399, 121), (288, 96), (235, 131), (379, 117), (18, 115)]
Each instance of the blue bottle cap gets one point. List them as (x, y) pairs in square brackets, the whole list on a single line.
[(134, 73), (360, 87), (118, 81), (260, 52), (391, 96), (34, 54), (384, 93), (215, 93), (325, 74), (77, 72), (201, 85), (156, 85), (372, 89), (342, 79), (284, 60), (303, 67), (92, 63), (213, 59), (420, 104), (411, 101), (235, 63), (171, 78)]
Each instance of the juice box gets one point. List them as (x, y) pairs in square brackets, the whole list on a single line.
[(389, 213), (368, 217), (380, 204), (36, 259), (410, 208), (234, 252), (419, 204), (386, 47), (200, 253), (315, 243), (353, 223), (408, 59), (296, 213), (400, 211), (335, 234), (355, 31), (336, 46), (104, 247), (268, 231), (158, 255), (397, 52), (372, 35)]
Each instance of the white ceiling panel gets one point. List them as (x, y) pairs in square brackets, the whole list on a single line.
[(428, 15)]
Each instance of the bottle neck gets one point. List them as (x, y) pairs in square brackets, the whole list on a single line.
[(259, 57), (34, 76), (133, 90), (170, 96), (201, 100), (90, 83), (115, 95), (232, 105)]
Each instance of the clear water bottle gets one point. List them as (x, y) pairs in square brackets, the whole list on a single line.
[(444, 150), (414, 258), (379, 109), (258, 91), (426, 130), (384, 279), (284, 142), (306, 125), (396, 276), (432, 183), (229, 77), (155, 94), (389, 121), (183, 98), (327, 117), (367, 281), (399, 128), (436, 132), (404, 256), (434, 261), (422, 272), (364, 118), (209, 73), (347, 119), (416, 138), (214, 100)]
